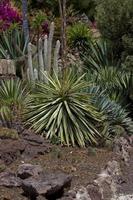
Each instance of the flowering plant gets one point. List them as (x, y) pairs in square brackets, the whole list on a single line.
[(8, 15)]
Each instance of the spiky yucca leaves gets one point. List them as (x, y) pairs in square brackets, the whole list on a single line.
[(62, 108), (99, 55), (112, 80), (12, 44), (12, 98)]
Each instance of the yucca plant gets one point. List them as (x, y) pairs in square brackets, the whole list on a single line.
[(12, 44), (62, 108), (99, 55), (112, 80), (12, 98)]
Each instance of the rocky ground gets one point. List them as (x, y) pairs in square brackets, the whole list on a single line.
[(32, 168)]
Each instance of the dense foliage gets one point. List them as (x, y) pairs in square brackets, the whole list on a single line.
[(115, 21)]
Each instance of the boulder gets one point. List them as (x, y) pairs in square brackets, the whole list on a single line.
[(10, 150), (47, 185), (26, 170), (27, 146), (94, 192)]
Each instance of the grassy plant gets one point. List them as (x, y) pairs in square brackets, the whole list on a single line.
[(12, 96), (79, 36), (61, 107), (12, 44)]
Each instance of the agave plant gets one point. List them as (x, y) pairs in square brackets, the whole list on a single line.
[(62, 108), (12, 98), (116, 115)]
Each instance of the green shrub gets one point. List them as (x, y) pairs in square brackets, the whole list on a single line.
[(85, 6), (79, 36), (63, 108), (6, 133), (114, 19)]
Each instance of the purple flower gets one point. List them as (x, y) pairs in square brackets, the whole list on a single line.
[(8, 15), (45, 28)]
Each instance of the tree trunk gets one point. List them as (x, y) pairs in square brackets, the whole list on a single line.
[(25, 19), (62, 9)]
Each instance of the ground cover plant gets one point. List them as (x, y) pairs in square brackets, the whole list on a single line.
[(12, 96)]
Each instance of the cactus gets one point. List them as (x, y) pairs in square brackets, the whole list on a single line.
[(44, 57), (36, 74), (41, 63), (30, 72), (56, 55), (45, 51), (50, 39)]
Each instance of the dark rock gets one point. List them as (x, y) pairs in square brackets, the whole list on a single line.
[(66, 198), (47, 185), (41, 198), (9, 179), (70, 195), (121, 147), (27, 146), (10, 150), (26, 170), (33, 150), (31, 137)]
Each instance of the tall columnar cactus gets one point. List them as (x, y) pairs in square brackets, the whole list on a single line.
[(30, 71), (56, 56), (41, 63), (45, 51), (50, 39), (45, 57)]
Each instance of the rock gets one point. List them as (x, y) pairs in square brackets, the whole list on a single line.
[(121, 147), (82, 194), (31, 137), (26, 170), (7, 67), (41, 198), (47, 185), (9, 179), (36, 145), (66, 198), (33, 150), (94, 192), (28, 146), (10, 150)]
